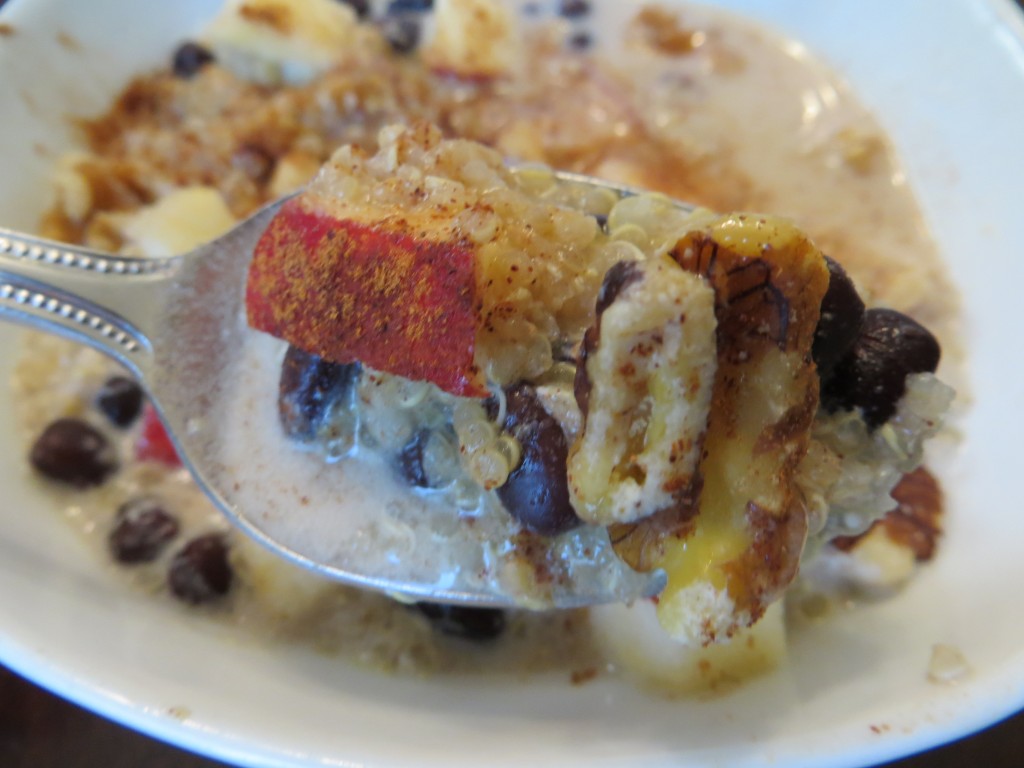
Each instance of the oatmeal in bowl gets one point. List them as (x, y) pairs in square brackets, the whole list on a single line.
[(773, 415)]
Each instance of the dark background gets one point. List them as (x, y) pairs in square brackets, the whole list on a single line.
[(40, 730)]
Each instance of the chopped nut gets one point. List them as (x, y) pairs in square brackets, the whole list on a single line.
[(914, 524), (744, 546), (664, 31)]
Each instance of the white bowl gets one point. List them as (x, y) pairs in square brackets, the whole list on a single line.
[(947, 80)]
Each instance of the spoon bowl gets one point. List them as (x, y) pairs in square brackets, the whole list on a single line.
[(178, 324)]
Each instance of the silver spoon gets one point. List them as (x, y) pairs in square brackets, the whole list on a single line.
[(178, 324)]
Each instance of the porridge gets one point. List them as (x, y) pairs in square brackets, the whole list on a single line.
[(270, 91)]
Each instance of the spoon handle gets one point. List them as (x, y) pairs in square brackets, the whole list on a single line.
[(88, 296)]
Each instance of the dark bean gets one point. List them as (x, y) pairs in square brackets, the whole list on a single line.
[(142, 528), (573, 9), (842, 314), (307, 388), (73, 452), (537, 491), (872, 374), (396, 7), (467, 623), (361, 7), (410, 461), (402, 33), (580, 41), (200, 571), (189, 59), (120, 400)]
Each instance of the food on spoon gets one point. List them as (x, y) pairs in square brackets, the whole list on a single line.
[(695, 380), (743, 534), (421, 275), (308, 386), (536, 491), (884, 557), (871, 376), (644, 386), (319, 282)]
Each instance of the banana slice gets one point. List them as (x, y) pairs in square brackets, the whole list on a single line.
[(644, 385), (474, 38), (737, 551), (281, 41)]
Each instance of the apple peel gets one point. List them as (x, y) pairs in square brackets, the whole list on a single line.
[(349, 290), (153, 443)]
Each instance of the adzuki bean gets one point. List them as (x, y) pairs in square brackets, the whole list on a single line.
[(537, 491), (189, 58), (200, 572), (142, 529), (842, 315), (120, 400), (307, 388), (871, 376), (73, 452), (469, 623)]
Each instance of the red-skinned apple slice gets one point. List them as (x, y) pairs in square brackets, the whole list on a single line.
[(380, 290), (153, 443)]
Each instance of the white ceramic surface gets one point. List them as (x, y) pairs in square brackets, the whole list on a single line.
[(947, 80)]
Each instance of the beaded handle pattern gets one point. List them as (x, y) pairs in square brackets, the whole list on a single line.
[(73, 291)]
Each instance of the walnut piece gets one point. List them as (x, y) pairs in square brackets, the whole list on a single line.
[(738, 550)]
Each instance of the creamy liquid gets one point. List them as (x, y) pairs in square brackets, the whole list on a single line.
[(740, 121), (355, 515), (775, 131)]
